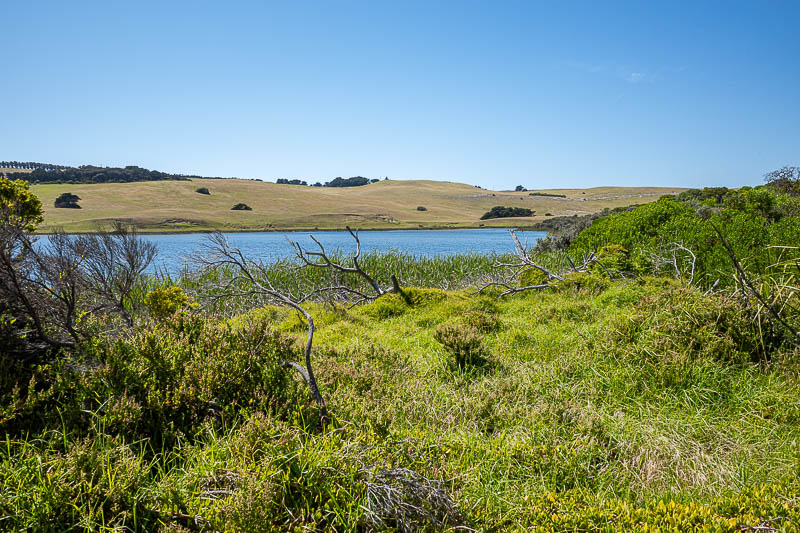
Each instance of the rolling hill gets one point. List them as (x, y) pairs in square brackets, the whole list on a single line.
[(170, 206)]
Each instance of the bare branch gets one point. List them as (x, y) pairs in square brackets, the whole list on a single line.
[(220, 252)]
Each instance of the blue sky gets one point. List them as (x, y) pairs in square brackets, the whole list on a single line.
[(494, 93)]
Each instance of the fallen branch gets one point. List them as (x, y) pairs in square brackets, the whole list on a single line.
[(747, 283)]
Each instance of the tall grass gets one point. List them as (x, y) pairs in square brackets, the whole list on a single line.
[(455, 272)]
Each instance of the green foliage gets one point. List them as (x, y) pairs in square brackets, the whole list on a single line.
[(394, 304), (592, 282), (481, 321), (202, 190), (531, 276), (674, 325), (165, 301), (607, 406), (547, 194), (614, 259), (93, 174), (421, 208), (355, 181), (19, 207), (756, 222), (241, 207), (499, 211), (463, 343), (67, 200)]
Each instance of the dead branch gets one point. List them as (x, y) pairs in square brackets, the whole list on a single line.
[(524, 262), (218, 253), (406, 501), (749, 285), (321, 259)]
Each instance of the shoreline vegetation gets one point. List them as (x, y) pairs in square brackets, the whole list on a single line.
[(637, 371)]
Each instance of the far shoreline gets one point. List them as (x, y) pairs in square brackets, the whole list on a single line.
[(530, 227)]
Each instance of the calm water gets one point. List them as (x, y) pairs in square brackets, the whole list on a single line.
[(174, 250)]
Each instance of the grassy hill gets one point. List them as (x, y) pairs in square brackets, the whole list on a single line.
[(169, 206)]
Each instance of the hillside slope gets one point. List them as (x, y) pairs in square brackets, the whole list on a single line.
[(168, 206)]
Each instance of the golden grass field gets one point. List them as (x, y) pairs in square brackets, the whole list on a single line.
[(169, 206)]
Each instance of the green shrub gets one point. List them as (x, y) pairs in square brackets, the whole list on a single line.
[(241, 207), (202, 190), (614, 260), (499, 211), (463, 343), (166, 301), (481, 321), (531, 277), (421, 208), (67, 200), (189, 369), (676, 324), (394, 304), (589, 282)]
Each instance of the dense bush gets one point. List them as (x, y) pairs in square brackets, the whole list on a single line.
[(547, 194), (202, 190), (67, 200), (421, 208), (241, 207), (757, 223), (499, 211), (463, 343)]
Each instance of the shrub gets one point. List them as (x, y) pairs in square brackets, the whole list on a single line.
[(678, 324), (166, 301), (202, 190), (67, 200), (463, 343), (165, 381), (550, 195), (614, 258), (481, 321), (421, 208), (241, 207), (499, 211), (531, 276)]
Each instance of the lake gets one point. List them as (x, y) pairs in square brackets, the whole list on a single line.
[(174, 249)]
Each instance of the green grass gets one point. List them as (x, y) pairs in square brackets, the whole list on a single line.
[(169, 206), (614, 409)]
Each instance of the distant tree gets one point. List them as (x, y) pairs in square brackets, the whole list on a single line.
[(67, 200), (520, 188), (355, 181), (284, 181), (241, 207), (202, 190), (786, 180), (374, 181), (500, 211), (317, 184)]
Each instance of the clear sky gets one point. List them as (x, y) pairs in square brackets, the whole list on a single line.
[(494, 93)]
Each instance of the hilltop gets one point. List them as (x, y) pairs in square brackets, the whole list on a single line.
[(169, 206)]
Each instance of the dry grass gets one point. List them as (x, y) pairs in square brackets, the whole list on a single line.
[(165, 206)]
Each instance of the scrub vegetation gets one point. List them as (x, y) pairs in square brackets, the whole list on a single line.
[(642, 376)]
